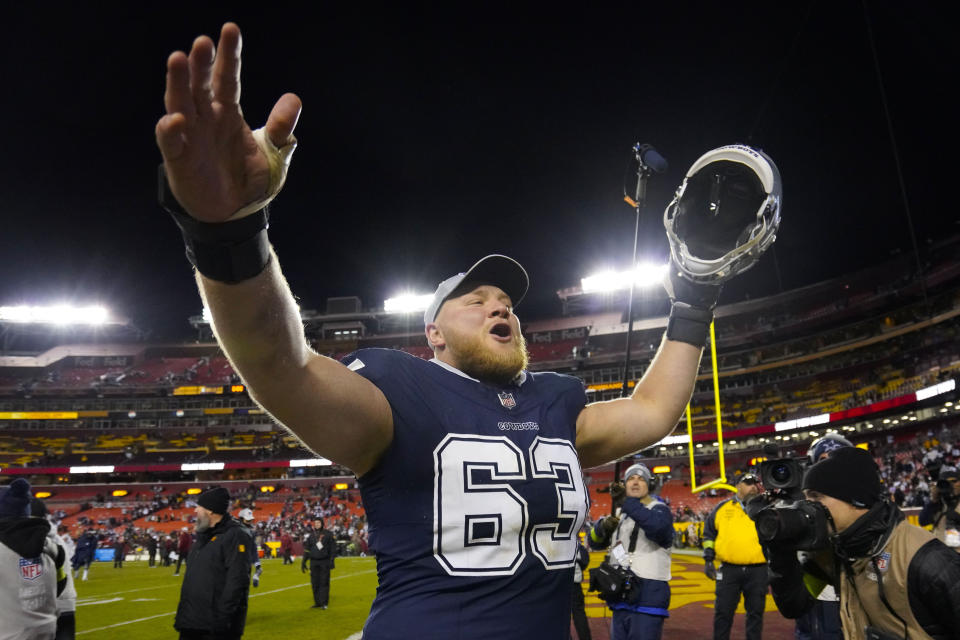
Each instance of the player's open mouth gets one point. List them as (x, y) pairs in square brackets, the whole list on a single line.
[(501, 331)]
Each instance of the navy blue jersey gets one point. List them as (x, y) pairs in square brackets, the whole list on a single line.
[(474, 508)]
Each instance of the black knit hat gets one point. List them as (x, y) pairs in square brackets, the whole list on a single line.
[(15, 499), (38, 508), (849, 474), (216, 500)]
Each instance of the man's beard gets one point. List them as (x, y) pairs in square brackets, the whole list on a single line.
[(480, 362), (203, 523)]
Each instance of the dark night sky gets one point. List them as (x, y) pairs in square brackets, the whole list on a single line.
[(429, 140)]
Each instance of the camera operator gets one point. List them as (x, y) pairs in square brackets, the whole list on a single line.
[(943, 509), (822, 621), (895, 580), (639, 542)]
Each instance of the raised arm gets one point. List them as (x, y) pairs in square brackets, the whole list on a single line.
[(616, 428), (221, 172)]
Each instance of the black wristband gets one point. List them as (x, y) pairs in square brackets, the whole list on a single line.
[(229, 252), (689, 324)]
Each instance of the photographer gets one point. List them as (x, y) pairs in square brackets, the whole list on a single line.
[(895, 580), (729, 535), (822, 621), (639, 543), (943, 509)]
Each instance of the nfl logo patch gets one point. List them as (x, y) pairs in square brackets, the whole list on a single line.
[(31, 568), (506, 399), (883, 561)]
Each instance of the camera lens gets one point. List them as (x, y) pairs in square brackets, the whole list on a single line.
[(780, 473)]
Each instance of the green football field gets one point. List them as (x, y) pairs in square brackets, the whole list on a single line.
[(139, 602)]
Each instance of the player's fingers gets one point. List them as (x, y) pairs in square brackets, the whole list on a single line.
[(201, 70), (283, 119), (226, 67), (169, 131), (177, 98)]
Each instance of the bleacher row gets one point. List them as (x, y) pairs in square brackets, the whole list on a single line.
[(108, 448)]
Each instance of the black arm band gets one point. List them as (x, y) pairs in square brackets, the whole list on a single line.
[(229, 252), (689, 324)]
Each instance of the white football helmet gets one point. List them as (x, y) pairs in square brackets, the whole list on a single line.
[(725, 214)]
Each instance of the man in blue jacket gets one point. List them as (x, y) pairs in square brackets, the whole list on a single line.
[(639, 540)]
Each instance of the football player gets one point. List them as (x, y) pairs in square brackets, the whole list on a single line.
[(469, 466)]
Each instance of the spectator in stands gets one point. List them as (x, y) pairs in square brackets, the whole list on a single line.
[(639, 540), (942, 510), (85, 554), (319, 549), (730, 536), (219, 564), (183, 548), (895, 579), (31, 569)]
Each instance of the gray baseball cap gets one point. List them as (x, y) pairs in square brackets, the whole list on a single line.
[(500, 271)]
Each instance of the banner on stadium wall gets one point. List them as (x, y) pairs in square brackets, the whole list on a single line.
[(38, 415), (102, 361), (196, 391), (548, 337), (103, 555)]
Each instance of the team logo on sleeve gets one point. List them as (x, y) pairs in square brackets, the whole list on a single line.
[(506, 399), (31, 568)]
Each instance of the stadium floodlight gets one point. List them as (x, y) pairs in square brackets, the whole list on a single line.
[(407, 303), (643, 275), (59, 314)]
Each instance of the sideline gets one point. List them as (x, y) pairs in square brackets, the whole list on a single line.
[(262, 593)]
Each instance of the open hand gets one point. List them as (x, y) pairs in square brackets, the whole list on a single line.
[(212, 160)]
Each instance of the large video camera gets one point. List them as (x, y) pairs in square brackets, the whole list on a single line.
[(783, 517)]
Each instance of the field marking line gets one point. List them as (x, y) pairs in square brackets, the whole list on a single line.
[(120, 624), (116, 593), (262, 593), (307, 584), (356, 636), (93, 602)]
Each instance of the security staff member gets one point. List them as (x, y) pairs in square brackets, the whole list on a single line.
[(640, 541), (213, 597), (319, 549), (730, 536), (896, 580), (943, 509)]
